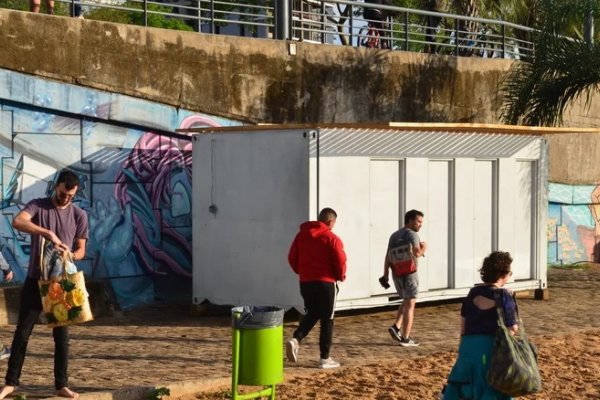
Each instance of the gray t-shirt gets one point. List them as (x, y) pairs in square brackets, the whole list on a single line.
[(405, 234), (68, 224)]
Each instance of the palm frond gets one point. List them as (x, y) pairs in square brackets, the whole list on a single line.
[(562, 70)]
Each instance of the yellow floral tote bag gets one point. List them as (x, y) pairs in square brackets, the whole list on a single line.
[(65, 300)]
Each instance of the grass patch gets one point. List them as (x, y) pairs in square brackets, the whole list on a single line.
[(584, 265)]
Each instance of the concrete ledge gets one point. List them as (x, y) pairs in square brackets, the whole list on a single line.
[(177, 389)]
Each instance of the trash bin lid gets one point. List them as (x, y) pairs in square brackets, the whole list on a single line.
[(256, 317)]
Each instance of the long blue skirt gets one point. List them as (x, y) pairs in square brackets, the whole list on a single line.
[(467, 378)]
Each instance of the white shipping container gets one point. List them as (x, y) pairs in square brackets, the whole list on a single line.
[(481, 188)]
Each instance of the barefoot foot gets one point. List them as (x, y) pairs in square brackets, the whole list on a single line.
[(6, 390), (66, 392)]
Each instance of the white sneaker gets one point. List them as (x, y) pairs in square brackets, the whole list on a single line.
[(408, 342), (5, 353), (291, 350), (328, 363)]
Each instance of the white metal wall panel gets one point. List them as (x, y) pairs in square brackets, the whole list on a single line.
[(483, 214), (437, 218), (384, 215), (523, 217), (240, 251), (343, 186), (313, 190), (464, 225)]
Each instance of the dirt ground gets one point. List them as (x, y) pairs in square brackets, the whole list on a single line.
[(565, 328), (162, 345)]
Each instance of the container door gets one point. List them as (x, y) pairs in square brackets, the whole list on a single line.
[(524, 212), (437, 218), (343, 185), (484, 211), (386, 215)]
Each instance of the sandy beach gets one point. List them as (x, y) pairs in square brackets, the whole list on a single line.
[(164, 345), (565, 328)]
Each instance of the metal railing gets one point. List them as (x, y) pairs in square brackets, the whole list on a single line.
[(334, 22)]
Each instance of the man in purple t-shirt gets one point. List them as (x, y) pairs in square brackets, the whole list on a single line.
[(66, 226)]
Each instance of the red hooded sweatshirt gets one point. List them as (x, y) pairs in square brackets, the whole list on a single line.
[(317, 254)]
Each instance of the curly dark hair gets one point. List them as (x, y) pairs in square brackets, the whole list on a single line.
[(495, 266)]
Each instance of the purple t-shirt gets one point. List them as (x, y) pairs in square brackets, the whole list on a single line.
[(68, 224)]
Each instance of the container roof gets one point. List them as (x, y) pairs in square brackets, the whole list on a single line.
[(404, 126), (335, 142), (428, 140)]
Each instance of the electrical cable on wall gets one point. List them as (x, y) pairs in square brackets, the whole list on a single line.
[(212, 208)]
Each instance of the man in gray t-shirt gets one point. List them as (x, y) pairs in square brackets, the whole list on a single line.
[(406, 285), (64, 224)]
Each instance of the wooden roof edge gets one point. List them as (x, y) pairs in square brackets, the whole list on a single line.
[(416, 126)]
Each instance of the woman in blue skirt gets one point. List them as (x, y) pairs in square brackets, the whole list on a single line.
[(479, 322)]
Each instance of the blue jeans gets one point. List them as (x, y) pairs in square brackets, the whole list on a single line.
[(31, 306)]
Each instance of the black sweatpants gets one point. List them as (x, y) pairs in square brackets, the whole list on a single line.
[(319, 301), (31, 306)]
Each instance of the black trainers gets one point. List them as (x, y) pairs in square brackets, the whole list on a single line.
[(409, 342), (395, 333)]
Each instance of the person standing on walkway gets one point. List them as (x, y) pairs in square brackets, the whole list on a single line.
[(378, 19), (34, 6), (317, 256), (60, 221), (407, 286), (8, 275)]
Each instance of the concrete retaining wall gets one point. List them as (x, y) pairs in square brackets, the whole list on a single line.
[(259, 80)]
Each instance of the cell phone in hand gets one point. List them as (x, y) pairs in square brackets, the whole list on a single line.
[(384, 282)]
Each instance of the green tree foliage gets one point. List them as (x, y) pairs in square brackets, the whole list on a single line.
[(564, 66), (22, 5), (135, 15), (15, 5)]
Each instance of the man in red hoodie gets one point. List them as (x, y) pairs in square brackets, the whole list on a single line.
[(317, 256)]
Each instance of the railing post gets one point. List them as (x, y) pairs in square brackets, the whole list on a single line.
[(323, 23), (212, 16), (282, 25), (406, 35), (145, 12), (198, 23), (351, 31), (456, 37), (503, 30)]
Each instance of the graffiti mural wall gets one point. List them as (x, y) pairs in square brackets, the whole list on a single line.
[(136, 181), (573, 224)]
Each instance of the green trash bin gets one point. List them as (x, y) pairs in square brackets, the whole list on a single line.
[(257, 349)]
